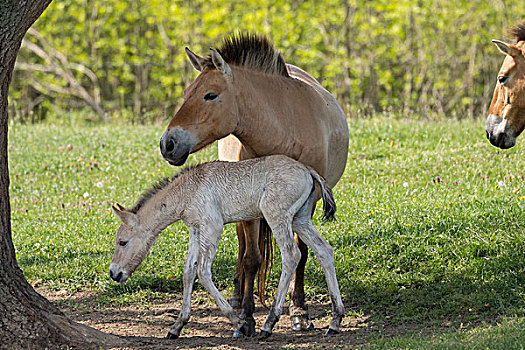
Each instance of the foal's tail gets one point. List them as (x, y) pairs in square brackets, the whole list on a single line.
[(329, 206)]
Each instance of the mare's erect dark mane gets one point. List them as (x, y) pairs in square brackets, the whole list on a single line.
[(159, 185), (251, 51), (518, 32)]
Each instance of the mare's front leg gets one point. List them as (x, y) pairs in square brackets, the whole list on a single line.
[(250, 265), (209, 239), (190, 270), (238, 278)]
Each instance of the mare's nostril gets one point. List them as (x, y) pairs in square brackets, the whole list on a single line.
[(500, 138), (119, 277), (111, 273), (170, 146)]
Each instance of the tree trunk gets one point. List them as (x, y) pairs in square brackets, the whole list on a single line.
[(27, 320)]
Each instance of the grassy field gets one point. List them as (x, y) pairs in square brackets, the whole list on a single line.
[(430, 230)]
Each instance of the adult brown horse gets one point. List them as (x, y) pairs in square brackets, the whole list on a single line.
[(506, 118), (246, 89)]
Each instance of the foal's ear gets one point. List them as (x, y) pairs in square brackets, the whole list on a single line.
[(220, 64), (125, 216), (196, 61), (507, 49)]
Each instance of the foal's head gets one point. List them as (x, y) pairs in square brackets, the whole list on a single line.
[(131, 246), (506, 118)]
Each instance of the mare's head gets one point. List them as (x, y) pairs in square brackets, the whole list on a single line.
[(506, 118), (131, 246), (210, 109)]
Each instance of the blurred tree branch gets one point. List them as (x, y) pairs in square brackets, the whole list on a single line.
[(56, 63)]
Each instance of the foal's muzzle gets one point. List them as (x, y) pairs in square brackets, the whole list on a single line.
[(117, 274), (176, 145)]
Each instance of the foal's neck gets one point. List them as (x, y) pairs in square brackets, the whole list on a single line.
[(164, 208)]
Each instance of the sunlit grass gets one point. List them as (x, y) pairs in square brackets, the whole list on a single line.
[(430, 225)]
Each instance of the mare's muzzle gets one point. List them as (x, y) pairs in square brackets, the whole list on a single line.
[(499, 133), (176, 145)]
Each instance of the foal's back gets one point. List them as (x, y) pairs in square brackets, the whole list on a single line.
[(238, 190)]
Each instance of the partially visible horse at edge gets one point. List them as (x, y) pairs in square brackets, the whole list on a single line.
[(247, 93), (206, 197), (506, 118)]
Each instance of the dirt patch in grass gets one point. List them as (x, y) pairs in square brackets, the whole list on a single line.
[(208, 328)]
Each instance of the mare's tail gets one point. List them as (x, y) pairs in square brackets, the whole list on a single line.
[(329, 206), (266, 251)]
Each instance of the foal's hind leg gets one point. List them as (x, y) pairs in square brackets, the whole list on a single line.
[(325, 255), (290, 256), (299, 316), (298, 310)]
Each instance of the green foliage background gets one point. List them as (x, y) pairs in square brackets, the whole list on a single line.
[(410, 56)]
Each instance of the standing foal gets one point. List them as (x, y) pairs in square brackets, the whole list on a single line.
[(276, 188)]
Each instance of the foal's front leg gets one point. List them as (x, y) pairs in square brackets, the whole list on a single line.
[(190, 270), (209, 239)]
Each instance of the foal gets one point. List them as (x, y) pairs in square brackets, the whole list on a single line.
[(276, 188)]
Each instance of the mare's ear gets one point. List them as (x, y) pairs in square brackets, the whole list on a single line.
[(125, 216), (196, 61), (220, 64), (507, 49)]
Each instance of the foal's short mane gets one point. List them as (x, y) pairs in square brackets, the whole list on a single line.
[(251, 51), (159, 185), (518, 32)]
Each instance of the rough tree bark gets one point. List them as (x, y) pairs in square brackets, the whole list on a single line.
[(27, 320)]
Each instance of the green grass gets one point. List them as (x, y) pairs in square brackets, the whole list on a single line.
[(430, 227)]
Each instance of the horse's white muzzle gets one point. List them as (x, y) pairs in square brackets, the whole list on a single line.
[(117, 274)]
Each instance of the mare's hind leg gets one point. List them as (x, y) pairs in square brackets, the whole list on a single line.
[(190, 270), (290, 258), (250, 265), (324, 253)]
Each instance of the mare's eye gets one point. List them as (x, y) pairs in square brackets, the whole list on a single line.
[(123, 243), (503, 80), (210, 96)]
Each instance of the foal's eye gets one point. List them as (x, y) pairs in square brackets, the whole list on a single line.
[(503, 79), (210, 96), (123, 243)]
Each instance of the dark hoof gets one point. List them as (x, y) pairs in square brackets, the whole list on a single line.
[(264, 334), (331, 332), (248, 329), (171, 336), (235, 302)]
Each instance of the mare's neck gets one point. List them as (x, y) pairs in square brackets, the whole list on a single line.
[(262, 102)]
